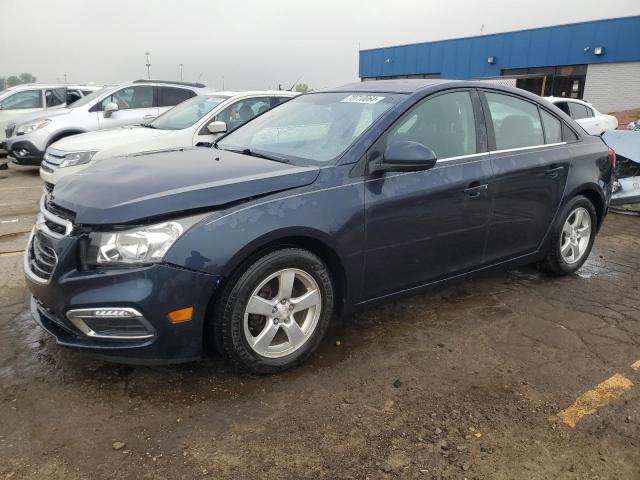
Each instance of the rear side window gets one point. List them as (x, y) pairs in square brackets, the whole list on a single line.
[(73, 96), (578, 111), (516, 122), (55, 96), (172, 96), (552, 128), (445, 124)]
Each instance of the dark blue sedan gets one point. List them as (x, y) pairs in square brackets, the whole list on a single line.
[(333, 201)]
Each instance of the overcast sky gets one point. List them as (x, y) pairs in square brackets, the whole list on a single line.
[(252, 43)]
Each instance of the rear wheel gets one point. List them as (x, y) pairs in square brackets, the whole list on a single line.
[(273, 313), (572, 237)]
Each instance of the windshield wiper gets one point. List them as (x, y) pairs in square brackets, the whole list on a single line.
[(252, 153)]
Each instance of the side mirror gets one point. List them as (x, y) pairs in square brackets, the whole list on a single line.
[(109, 108), (405, 156), (217, 127)]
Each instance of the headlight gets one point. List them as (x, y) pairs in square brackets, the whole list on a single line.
[(76, 158), (32, 127), (138, 245)]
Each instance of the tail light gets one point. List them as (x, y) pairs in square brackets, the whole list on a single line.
[(612, 158)]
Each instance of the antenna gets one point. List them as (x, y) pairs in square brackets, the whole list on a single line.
[(295, 83), (181, 65), (148, 65)]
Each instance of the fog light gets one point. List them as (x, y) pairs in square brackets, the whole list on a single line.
[(118, 323), (22, 152)]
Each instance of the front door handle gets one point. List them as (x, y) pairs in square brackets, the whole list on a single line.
[(554, 172), (475, 189), (149, 117)]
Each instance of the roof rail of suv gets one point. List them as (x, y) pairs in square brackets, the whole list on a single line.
[(172, 82)]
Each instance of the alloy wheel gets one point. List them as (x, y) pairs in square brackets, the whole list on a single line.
[(282, 313), (576, 234)]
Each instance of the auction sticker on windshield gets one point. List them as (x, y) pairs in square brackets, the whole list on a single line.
[(361, 99)]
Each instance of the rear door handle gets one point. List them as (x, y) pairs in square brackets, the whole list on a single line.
[(554, 172), (147, 117), (474, 190)]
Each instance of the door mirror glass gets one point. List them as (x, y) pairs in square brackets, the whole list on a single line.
[(109, 108), (406, 156), (217, 127)]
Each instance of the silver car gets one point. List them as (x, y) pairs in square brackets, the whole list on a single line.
[(36, 99), (132, 103)]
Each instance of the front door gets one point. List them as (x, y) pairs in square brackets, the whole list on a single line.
[(136, 105), (530, 164), (423, 226)]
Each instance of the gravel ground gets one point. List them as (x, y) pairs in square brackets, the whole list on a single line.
[(463, 382)]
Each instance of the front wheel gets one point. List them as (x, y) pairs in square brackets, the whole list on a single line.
[(273, 313), (572, 237)]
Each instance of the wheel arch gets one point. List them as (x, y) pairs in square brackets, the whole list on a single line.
[(596, 198), (316, 242), (62, 134)]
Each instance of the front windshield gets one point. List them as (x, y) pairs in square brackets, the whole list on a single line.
[(187, 113), (311, 129), (92, 96)]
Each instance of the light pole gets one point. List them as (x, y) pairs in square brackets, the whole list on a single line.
[(148, 64), (181, 65)]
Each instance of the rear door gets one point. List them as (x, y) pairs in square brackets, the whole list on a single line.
[(530, 162), (426, 225), (136, 105)]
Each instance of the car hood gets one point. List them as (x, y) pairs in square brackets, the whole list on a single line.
[(133, 188), (105, 139), (28, 117)]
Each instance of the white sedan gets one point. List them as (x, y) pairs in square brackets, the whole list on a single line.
[(594, 122), (194, 122)]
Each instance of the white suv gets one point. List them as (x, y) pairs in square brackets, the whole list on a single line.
[(21, 100), (125, 104), (198, 121)]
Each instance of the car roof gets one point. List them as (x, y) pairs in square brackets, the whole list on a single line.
[(565, 99), (389, 86)]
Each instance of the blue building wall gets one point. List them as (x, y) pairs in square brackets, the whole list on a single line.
[(466, 58)]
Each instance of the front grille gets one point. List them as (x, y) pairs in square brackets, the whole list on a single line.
[(8, 131), (54, 157), (48, 187), (42, 256), (58, 211), (41, 259)]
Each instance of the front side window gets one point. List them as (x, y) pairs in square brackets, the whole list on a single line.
[(578, 111), (516, 122), (314, 129), (552, 128), (243, 111), (55, 96), (23, 100), (187, 113), (445, 124), (130, 98), (171, 96)]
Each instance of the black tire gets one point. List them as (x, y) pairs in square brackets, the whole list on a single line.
[(226, 326), (554, 262)]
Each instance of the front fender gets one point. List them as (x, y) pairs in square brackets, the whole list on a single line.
[(331, 211)]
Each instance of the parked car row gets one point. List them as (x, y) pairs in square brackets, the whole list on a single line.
[(118, 105), (246, 222), (194, 122)]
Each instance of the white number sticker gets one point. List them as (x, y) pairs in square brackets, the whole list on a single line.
[(361, 99)]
